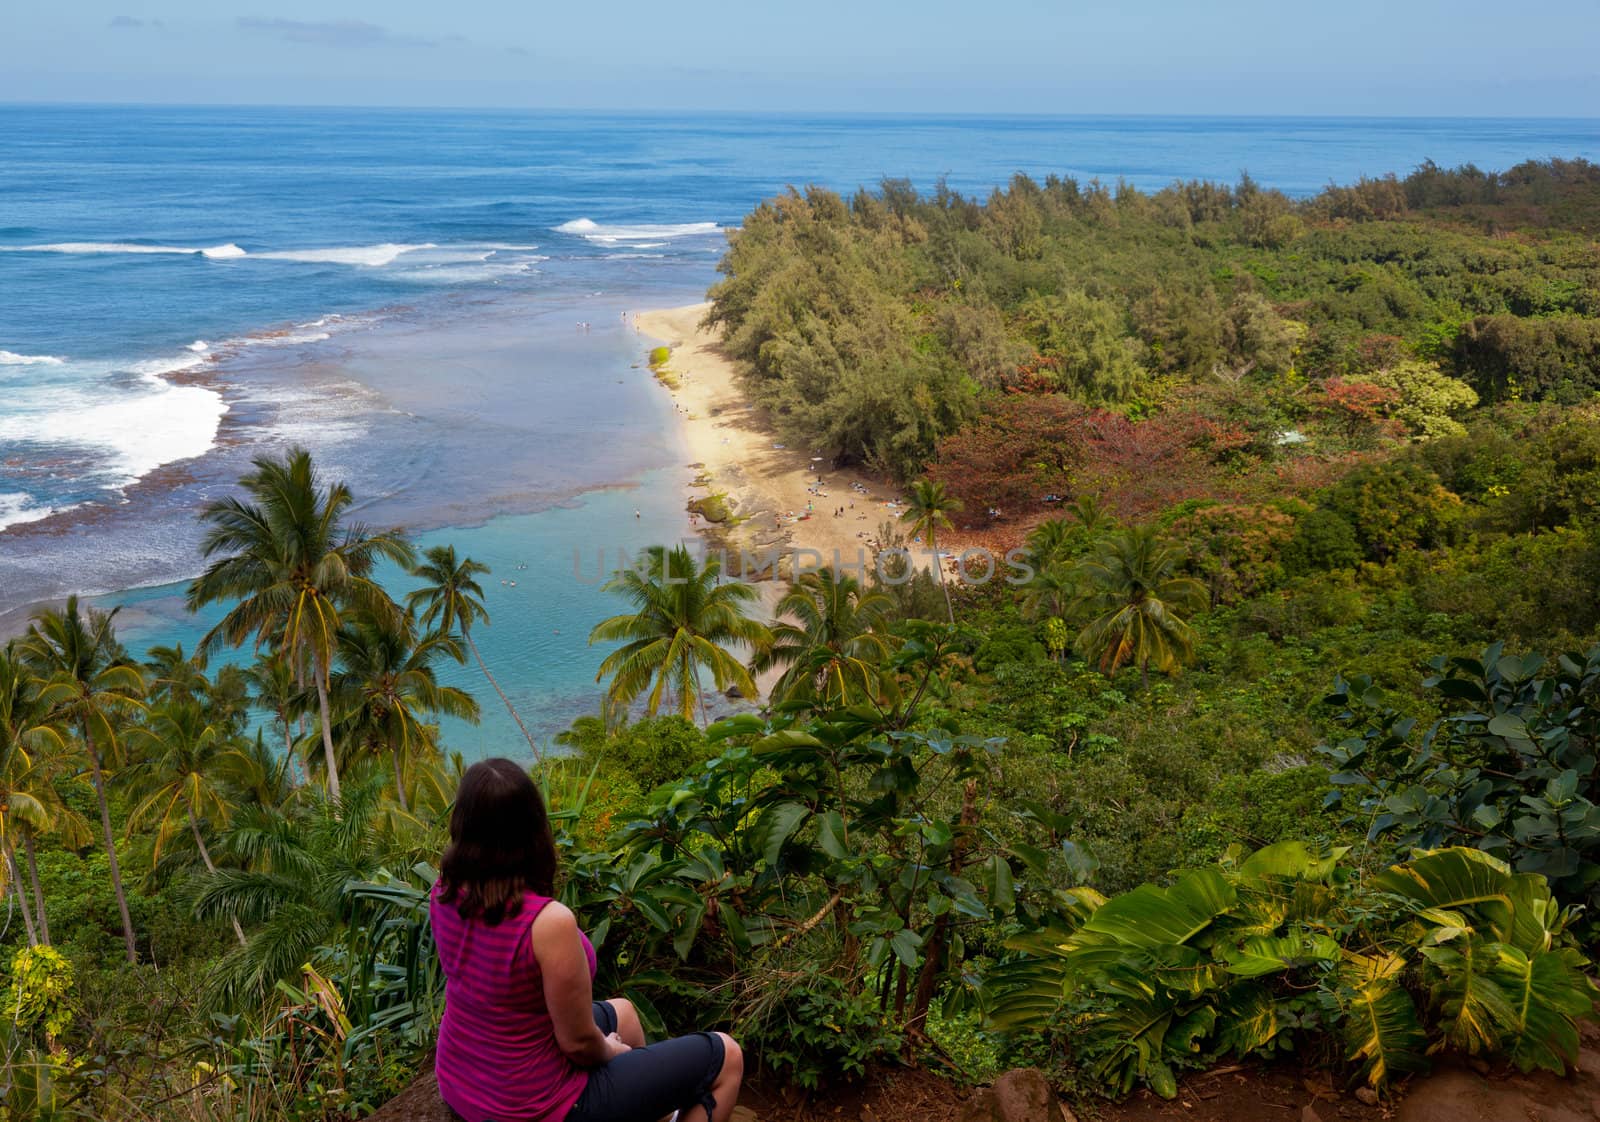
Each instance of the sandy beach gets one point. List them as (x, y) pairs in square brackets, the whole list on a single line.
[(770, 488)]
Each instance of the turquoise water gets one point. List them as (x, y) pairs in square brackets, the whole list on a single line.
[(536, 641), (432, 302)]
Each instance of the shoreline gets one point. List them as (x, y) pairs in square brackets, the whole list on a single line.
[(734, 449)]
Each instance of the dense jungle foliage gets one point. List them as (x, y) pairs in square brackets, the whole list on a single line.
[(1287, 747)]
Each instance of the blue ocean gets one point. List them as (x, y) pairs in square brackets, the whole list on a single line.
[(433, 302)]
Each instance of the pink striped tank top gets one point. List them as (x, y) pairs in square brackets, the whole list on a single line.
[(497, 1057)]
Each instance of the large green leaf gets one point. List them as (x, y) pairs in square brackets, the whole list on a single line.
[(1381, 1026), (1260, 955), (777, 825), (1546, 993), (1291, 859), (1472, 1008), (1248, 1019), (1456, 878), (1150, 916)]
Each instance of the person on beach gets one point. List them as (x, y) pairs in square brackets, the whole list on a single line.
[(522, 1039)]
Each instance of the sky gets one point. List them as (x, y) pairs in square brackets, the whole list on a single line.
[(1243, 57)]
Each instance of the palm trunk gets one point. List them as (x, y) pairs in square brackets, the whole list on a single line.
[(509, 707), (327, 731), (1144, 672), (400, 781), (111, 846), (289, 761), (38, 893), (938, 569), (211, 866), (21, 894)]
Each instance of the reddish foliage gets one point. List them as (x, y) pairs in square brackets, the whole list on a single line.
[(1355, 407), (1027, 446), (1138, 468), (1020, 449)]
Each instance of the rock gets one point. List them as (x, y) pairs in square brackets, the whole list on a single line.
[(1309, 1114), (1459, 1094), (419, 1102), (1020, 1095), (1367, 1095)]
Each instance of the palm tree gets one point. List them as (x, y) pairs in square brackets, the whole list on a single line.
[(929, 511), (271, 683), (97, 688), (388, 690), (286, 875), (452, 601), (1135, 604), (836, 644), (180, 778), (1051, 593), (1092, 514), (686, 618), (296, 567), (1051, 541), (30, 737)]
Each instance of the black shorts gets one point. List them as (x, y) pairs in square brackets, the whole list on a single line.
[(649, 1083)]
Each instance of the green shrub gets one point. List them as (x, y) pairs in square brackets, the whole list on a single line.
[(659, 356), (1451, 950)]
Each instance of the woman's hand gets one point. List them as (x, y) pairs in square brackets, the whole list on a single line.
[(615, 1046)]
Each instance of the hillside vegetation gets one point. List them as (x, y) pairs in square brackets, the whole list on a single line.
[(1285, 754)]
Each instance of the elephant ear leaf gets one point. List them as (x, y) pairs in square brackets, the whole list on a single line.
[(1249, 1019), (1380, 1022), (1473, 1008), (1546, 995), (1152, 917)]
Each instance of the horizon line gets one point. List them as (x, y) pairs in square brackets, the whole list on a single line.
[(725, 112)]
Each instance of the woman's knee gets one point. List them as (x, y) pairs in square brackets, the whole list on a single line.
[(732, 1057), (629, 1027)]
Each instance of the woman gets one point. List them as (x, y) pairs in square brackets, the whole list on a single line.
[(522, 1039)]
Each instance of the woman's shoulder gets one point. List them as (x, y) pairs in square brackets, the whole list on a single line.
[(550, 914)]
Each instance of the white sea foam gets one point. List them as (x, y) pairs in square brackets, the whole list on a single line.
[(11, 358), (17, 508), (135, 428), (215, 251), (372, 256), (601, 234), (156, 367), (199, 346), (465, 274), (287, 339), (634, 256)]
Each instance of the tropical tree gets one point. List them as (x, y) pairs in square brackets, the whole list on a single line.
[(95, 689), (272, 686), (928, 511), (831, 639), (285, 876), (30, 740), (452, 601), (1051, 541), (180, 777), (1051, 592), (296, 566), (388, 691), (686, 620), (1135, 605)]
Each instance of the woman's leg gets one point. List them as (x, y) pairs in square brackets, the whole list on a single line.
[(628, 1026), (725, 1090)]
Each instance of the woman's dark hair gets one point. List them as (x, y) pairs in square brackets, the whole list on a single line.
[(500, 844)]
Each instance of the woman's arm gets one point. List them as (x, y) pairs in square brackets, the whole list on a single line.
[(567, 988)]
